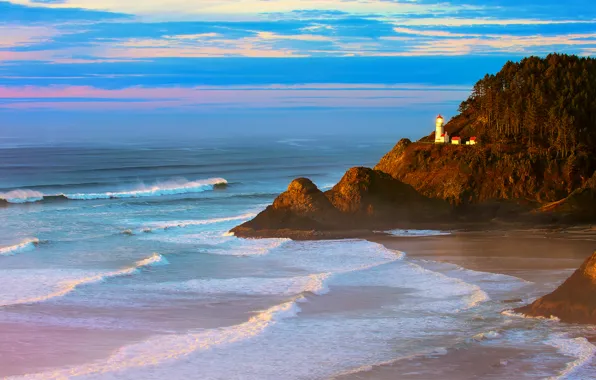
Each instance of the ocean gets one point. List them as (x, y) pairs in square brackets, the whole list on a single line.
[(115, 263)]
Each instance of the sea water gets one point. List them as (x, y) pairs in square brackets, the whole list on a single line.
[(116, 263)]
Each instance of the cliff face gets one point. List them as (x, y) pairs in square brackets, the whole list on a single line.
[(579, 206), (573, 302), (484, 173), (364, 199)]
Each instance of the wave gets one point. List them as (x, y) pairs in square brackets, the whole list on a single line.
[(580, 348), (22, 196), (65, 287), (513, 314), (489, 335), (314, 284), (166, 348), (472, 294), (25, 245), (187, 223), (416, 233), (171, 187)]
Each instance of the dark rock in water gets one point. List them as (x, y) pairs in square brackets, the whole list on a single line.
[(303, 207), (364, 199), (572, 302)]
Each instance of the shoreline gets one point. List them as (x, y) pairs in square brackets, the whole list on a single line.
[(542, 258), (578, 230)]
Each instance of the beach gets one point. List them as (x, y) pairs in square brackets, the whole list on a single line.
[(545, 258), (124, 268)]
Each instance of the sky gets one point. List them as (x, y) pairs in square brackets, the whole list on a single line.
[(129, 69)]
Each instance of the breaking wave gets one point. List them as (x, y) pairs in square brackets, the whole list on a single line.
[(314, 283), (62, 288), (187, 223), (416, 233), (22, 196), (171, 187), (177, 346), (472, 295), (25, 245), (579, 348)]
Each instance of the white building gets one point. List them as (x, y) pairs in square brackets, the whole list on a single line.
[(472, 141), (441, 137), (456, 140)]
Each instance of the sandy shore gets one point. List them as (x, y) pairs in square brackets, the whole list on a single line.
[(529, 255), (545, 258)]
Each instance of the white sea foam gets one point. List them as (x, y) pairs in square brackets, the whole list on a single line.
[(258, 349), (579, 348), (222, 244), (171, 187), (22, 196), (314, 283), (511, 313), (186, 223), (25, 245), (489, 335), (177, 346), (371, 366), (472, 294), (416, 233), (33, 286)]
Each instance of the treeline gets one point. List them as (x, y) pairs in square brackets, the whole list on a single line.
[(547, 103)]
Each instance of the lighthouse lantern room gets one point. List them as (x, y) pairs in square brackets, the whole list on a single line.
[(441, 136)]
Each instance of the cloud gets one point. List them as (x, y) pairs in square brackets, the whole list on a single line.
[(22, 14), (443, 42), (237, 97), (480, 21), (178, 8), (18, 35)]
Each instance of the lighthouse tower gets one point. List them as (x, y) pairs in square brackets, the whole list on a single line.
[(440, 135)]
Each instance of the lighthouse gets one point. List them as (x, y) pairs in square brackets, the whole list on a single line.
[(441, 136)]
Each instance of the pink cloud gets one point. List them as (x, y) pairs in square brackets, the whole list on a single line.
[(275, 96)]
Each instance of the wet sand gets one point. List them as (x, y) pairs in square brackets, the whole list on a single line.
[(529, 255), (545, 258)]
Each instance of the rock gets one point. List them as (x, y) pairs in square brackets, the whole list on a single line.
[(572, 302), (364, 200), (303, 198), (371, 194), (577, 207), (302, 207)]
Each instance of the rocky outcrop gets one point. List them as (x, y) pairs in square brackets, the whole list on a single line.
[(579, 206), (375, 197), (525, 170), (364, 200), (572, 302), (486, 173)]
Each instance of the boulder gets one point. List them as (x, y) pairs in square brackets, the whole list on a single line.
[(572, 302)]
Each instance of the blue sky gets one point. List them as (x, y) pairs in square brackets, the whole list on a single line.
[(90, 68)]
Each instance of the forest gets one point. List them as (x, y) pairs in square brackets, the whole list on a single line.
[(546, 103)]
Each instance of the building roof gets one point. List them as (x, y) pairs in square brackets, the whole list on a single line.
[(439, 117), (442, 135), (473, 138), (456, 138)]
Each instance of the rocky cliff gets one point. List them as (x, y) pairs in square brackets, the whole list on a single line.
[(535, 162), (573, 302), (364, 200), (577, 207), (486, 172)]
